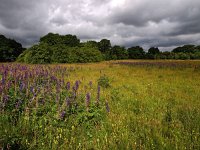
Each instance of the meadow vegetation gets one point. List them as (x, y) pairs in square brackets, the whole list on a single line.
[(109, 105)]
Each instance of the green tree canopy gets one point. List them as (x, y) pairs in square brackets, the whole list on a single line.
[(136, 52), (37, 54), (44, 53), (153, 51), (118, 52), (56, 39), (9, 49), (91, 44), (104, 45), (186, 49)]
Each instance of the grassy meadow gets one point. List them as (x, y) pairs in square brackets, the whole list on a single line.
[(140, 104)]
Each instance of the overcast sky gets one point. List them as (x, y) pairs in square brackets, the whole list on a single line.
[(161, 23)]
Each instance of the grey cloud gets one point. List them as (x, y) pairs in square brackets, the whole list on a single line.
[(139, 13), (125, 22)]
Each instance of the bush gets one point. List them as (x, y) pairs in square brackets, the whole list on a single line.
[(37, 54), (63, 54), (182, 56), (87, 54), (104, 81)]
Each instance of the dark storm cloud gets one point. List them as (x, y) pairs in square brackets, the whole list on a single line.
[(190, 27), (23, 20), (125, 22), (140, 12)]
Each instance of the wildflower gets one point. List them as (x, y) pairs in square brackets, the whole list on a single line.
[(98, 95), (9, 84), (68, 86), (1, 90), (58, 87), (87, 100), (32, 89), (5, 99), (21, 87), (76, 85), (74, 95), (68, 103), (18, 104), (107, 107), (3, 80), (90, 84), (62, 114)]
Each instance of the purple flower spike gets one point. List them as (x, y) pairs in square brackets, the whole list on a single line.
[(98, 94), (107, 107), (87, 100), (32, 89), (21, 87), (68, 86), (62, 114), (90, 84), (68, 103), (18, 104), (3, 80), (5, 99), (76, 86), (1, 90)]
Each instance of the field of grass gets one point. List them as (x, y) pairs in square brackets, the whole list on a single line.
[(127, 104)]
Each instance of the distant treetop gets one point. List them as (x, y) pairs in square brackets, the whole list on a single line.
[(56, 39), (9, 49)]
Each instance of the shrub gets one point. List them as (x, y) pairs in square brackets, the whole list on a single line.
[(87, 54), (104, 81)]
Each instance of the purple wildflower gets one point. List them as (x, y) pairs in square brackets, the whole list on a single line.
[(87, 100), (62, 114), (21, 87), (68, 86), (1, 90), (17, 105), (9, 84), (90, 84), (107, 107), (32, 89), (5, 99), (26, 75), (76, 86), (58, 99), (98, 94), (68, 103), (58, 88), (3, 80)]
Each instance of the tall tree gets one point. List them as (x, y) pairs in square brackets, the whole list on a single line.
[(92, 44), (118, 52), (153, 51), (104, 45), (56, 39), (9, 49), (185, 49), (136, 52)]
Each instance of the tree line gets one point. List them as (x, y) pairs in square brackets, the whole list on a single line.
[(55, 48)]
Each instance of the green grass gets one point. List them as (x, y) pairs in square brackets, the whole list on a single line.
[(150, 108)]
